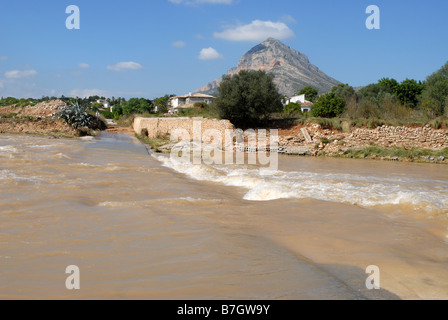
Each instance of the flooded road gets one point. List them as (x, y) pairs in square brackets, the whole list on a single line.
[(146, 226)]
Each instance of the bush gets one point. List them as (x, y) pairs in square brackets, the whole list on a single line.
[(201, 105), (8, 101), (137, 105), (107, 114), (435, 95), (293, 108), (328, 106), (76, 116), (248, 98), (436, 124)]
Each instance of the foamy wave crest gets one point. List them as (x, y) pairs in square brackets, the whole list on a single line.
[(366, 191), (8, 149), (8, 175), (153, 201)]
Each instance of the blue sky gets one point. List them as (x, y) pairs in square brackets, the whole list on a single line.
[(148, 48)]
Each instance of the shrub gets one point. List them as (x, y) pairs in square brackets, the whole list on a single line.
[(435, 124), (8, 101), (76, 116), (201, 105), (328, 106), (293, 108), (436, 92), (107, 114)]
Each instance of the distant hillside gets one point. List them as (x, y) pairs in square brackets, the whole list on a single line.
[(292, 69)]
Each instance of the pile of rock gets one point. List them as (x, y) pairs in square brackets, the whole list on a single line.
[(44, 109)]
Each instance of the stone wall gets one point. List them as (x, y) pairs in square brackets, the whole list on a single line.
[(335, 142), (385, 136), (165, 126)]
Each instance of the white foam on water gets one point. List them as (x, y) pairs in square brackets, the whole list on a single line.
[(84, 164), (365, 191), (8, 149), (151, 202), (45, 147), (8, 175), (62, 156), (116, 204)]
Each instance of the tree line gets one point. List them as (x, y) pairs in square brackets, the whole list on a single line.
[(250, 98)]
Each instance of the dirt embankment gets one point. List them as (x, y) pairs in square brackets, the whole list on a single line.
[(43, 109), (37, 119), (36, 126)]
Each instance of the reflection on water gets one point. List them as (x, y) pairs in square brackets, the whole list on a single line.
[(142, 226)]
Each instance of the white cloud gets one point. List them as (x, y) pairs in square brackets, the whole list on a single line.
[(179, 44), (83, 65), (84, 93), (257, 30), (17, 74), (209, 54), (201, 1), (123, 66), (1, 84), (3, 58)]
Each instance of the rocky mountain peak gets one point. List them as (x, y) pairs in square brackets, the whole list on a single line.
[(292, 69)]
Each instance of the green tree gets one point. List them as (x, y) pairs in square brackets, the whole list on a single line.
[(344, 91), (310, 93), (389, 85), (248, 98), (435, 95), (328, 106), (96, 106), (137, 105), (409, 92), (162, 103)]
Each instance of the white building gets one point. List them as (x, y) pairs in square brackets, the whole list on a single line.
[(296, 99), (188, 100), (106, 104), (305, 104)]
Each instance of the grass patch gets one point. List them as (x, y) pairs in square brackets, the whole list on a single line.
[(155, 143), (207, 111), (9, 116), (394, 153)]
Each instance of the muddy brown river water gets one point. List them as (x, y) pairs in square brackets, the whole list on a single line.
[(146, 226)]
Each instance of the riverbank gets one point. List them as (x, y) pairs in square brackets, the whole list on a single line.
[(42, 119), (37, 126), (409, 144)]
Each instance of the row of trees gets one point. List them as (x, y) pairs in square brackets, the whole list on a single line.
[(250, 97), (120, 105), (388, 98)]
